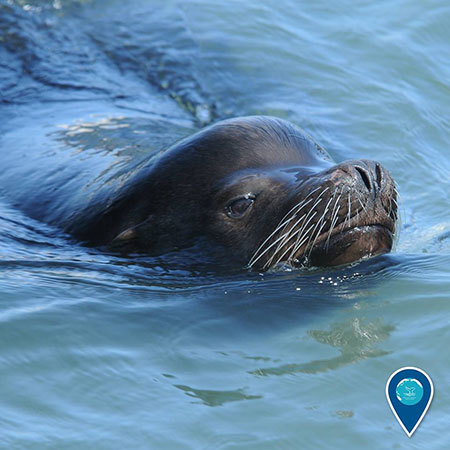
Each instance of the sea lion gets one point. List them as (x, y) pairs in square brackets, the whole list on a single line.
[(257, 186)]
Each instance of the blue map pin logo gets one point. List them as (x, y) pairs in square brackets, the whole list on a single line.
[(409, 392)]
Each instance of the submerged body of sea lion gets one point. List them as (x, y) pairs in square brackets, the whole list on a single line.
[(254, 185)]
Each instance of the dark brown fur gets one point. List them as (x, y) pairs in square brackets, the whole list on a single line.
[(186, 193)]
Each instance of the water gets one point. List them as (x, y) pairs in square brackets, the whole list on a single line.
[(102, 352)]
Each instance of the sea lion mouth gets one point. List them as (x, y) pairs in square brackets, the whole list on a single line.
[(349, 245)]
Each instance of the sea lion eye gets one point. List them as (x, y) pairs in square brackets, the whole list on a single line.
[(237, 208)]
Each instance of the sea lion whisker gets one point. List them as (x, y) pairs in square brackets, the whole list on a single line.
[(333, 218), (390, 206), (318, 224), (280, 247), (317, 236), (272, 244), (348, 212), (302, 201), (400, 211), (361, 203), (295, 210), (300, 231), (318, 200), (289, 237), (333, 223), (300, 241), (300, 206), (289, 248), (331, 200), (279, 226)]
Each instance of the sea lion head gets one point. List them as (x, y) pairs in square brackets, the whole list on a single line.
[(267, 192)]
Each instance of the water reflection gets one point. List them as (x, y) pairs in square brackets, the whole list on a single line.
[(356, 339), (216, 398)]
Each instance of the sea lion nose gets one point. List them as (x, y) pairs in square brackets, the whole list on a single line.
[(360, 171), (365, 173), (373, 175)]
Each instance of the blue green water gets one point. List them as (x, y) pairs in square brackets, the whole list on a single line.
[(103, 352)]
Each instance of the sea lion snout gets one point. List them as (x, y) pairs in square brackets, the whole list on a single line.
[(365, 174), (335, 216)]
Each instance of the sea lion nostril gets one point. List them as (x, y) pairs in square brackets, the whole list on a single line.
[(365, 177), (379, 174)]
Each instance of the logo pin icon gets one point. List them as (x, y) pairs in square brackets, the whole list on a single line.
[(409, 392)]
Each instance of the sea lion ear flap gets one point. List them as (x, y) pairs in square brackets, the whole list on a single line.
[(135, 238)]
